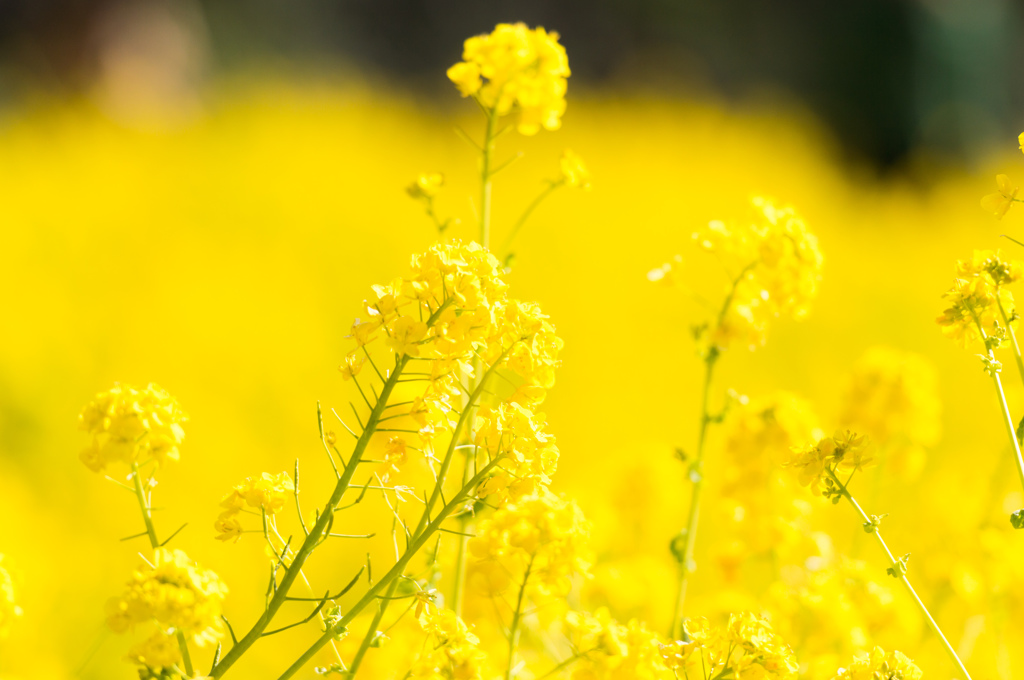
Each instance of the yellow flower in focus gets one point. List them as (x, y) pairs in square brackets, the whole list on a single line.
[(1000, 202), (974, 310), (9, 609), (353, 364), (404, 336), (426, 186), (878, 665), (514, 66), (266, 494), (174, 592), (574, 172), (844, 452), (129, 425)]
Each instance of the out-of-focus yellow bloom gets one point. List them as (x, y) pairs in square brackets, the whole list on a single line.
[(774, 266), (173, 592), (763, 507), (132, 426), (157, 653), (426, 186), (892, 397), (541, 537), (451, 651), (9, 609), (610, 650), (267, 493), (844, 452), (574, 171), (395, 455), (979, 304), (746, 648), (878, 665), (523, 68), (1000, 202)]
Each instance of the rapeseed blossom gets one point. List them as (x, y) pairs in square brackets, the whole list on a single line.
[(175, 593), (451, 651), (746, 647), (132, 426), (845, 452), (1000, 202), (879, 665), (265, 494), (980, 308), (537, 542), (773, 266), (516, 67)]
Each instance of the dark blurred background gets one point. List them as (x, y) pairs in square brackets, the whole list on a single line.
[(887, 76)]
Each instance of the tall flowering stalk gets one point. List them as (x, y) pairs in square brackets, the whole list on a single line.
[(823, 466), (772, 266), (980, 315)]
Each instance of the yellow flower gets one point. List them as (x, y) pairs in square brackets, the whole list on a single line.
[(574, 172), (843, 452), (451, 652), (880, 666), (774, 265), (523, 68), (174, 592), (395, 455), (129, 425), (975, 306), (426, 186), (612, 651), (541, 537), (267, 494), (158, 652), (353, 364), (404, 336), (9, 610), (1000, 202)]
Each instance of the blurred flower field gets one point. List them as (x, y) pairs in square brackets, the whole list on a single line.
[(225, 258)]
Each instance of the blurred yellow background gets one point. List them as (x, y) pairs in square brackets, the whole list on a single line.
[(224, 256)]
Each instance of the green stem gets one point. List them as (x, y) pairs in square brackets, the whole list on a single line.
[(316, 532), (364, 646), (1013, 338), (186, 657), (395, 571), (694, 514), (461, 556), (1004, 407), (147, 515), (552, 186), (487, 151), (517, 617), (903, 577)]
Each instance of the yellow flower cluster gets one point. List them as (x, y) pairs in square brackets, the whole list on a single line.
[(539, 538), (611, 650), (979, 306), (839, 608), (843, 453), (265, 494), (175, 593), (758, 502), (530, 453), (130, 426), (523, 68), (746, 647), (9, 609), (881, 666), (774, 266), (451, 651), (453, 316), (892, 397)]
